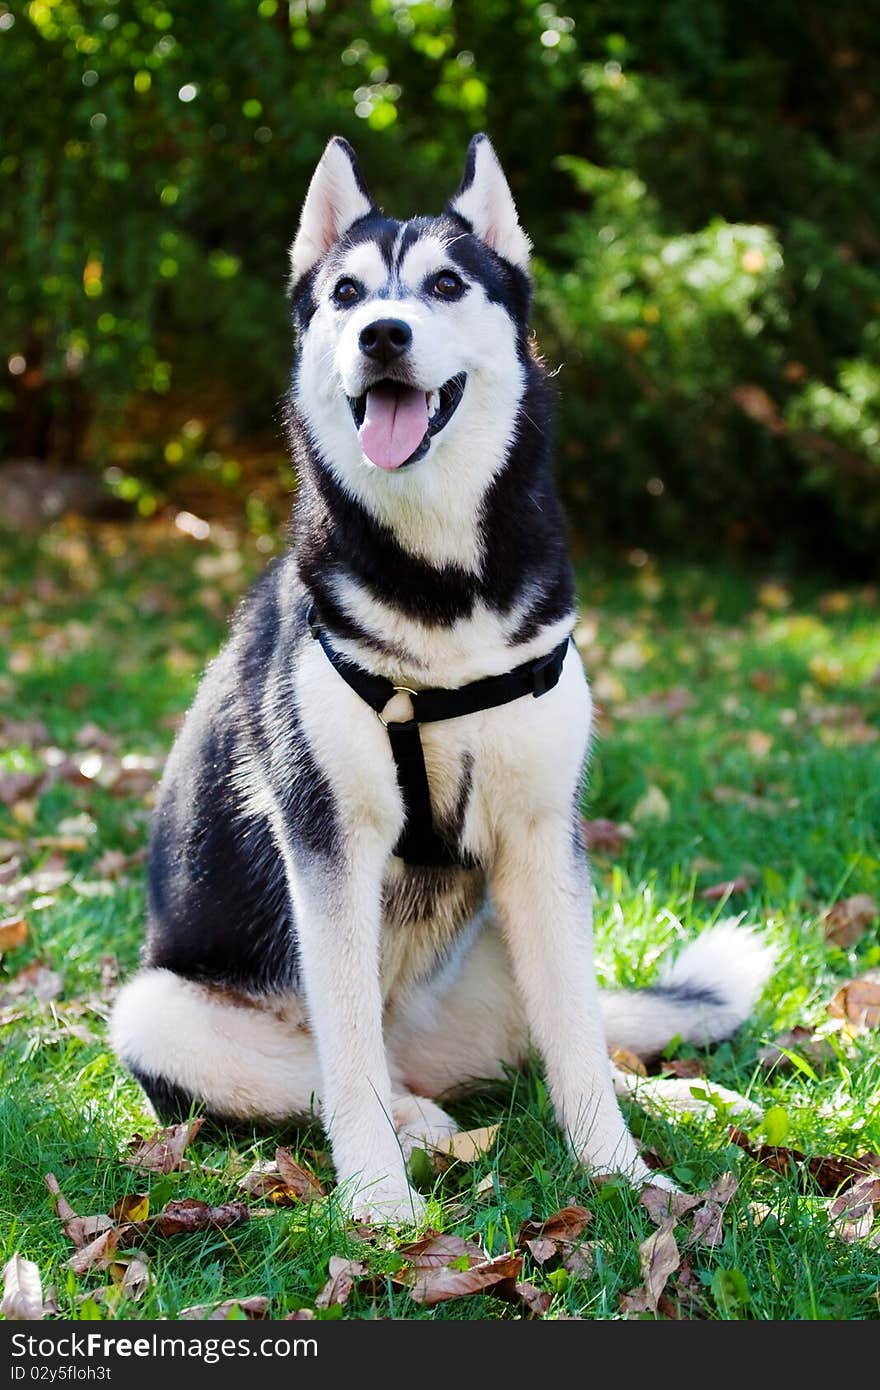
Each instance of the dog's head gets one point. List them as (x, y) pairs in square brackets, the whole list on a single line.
[(412, 335)]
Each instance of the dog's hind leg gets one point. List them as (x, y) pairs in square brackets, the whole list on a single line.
[(238, 1058)]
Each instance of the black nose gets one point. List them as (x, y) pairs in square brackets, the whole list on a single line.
[(385, 339)]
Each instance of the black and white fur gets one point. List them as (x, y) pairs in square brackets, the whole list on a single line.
[(291, 958)]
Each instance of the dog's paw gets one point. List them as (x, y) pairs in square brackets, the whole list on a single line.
[(387, 1202), (420, 1124)]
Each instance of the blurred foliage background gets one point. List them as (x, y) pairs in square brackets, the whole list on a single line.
[(699, 178)]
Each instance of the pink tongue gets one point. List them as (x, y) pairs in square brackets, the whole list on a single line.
[(394, 424)]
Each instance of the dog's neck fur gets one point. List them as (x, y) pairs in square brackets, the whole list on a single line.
[(400, 615)]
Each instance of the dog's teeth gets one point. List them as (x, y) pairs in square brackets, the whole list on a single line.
[(433, 403)]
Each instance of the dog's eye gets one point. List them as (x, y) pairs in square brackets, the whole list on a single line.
[(347, 292), (448, 285)]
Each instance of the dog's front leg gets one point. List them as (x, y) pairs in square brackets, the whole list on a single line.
[(337, 908), (541, 888)]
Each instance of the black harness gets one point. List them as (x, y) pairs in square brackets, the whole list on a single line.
[(419, 842)]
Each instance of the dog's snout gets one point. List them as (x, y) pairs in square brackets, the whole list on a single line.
[(385, 339)]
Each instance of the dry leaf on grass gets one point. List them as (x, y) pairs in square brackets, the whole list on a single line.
[(13, 933), (338, 1287), (628, 1061), (297, 1179), (659, 1257), (135, 1207), (255, 1307), (189, 1214), (132, 1274), (830, 1172), (541, 1250), (74, 1226), (858, 1001), (603, 836), (716, 891), (848, 920), (22, 1291), (283, 1181), (852, 1213), (433, 1286), (163, 1151), (467, 1145), (537, 1301), (685, 1068), (559, 1236), (660, 1203), (36, 981), (566, 1224), (98, 1254), (435, 1251)]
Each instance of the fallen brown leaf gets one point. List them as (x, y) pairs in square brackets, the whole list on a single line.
[(74, 1226), (660, 1203), (299, 1180), (685, 1068), (578, 1259), (98, 1254), (435, 1286), (467, 1145), (716, 891), (265, 1179), (435, 1251), (829, 1171), (255, 1307), (132, 1274), (853, 1212), (566, 1224), (628, 1061), (135, 1207), (708, 1226), (189, 1214), (858, 1001), (541, 1250), (848, 920), (163, 1151), (13, 933), (338, 1287), (659, 1257), (35, 981), (537, 1301), (606, 836), (22, 1291)]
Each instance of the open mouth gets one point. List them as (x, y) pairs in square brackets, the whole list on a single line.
[(396, 423)]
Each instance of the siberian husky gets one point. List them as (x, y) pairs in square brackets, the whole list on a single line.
[(371, 913)]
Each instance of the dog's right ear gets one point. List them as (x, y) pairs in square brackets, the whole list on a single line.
[(337, 197)]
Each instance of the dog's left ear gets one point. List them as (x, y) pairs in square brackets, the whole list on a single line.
[(337, 198), (485, 201)]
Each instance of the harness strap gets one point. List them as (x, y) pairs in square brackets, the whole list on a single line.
[(419, 843)]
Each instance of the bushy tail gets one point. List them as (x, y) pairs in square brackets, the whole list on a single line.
[(702, 996)]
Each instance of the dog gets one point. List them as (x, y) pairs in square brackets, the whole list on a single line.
[(367, 885)]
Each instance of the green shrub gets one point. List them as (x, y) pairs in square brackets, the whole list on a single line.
[(700, 182)]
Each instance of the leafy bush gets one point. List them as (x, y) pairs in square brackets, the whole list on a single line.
[(700, 182)]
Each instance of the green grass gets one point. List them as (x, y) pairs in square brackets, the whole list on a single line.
[(112, 627)]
